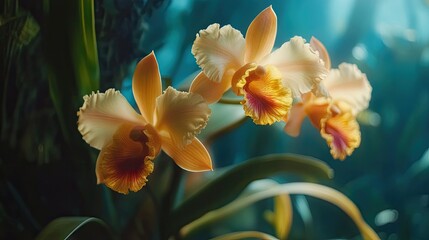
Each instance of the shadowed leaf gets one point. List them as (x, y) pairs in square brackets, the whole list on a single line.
[(228, 186), (71, 53), (315, 190), (83, 228)]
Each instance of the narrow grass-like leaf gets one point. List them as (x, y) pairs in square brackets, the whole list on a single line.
[(228, 186), (315, 190), (85, 55), (83, 228), (70, 50)]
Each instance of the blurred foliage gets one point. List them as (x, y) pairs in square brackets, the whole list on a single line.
[(82, 228), (268, 189), (121, 29), (49, 60), (241, 175), (54, 52), (71, 57)]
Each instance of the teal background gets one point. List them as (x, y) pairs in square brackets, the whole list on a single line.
[(47, 170)]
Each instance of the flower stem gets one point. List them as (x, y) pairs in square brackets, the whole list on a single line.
[(233, 101), (168, 201)]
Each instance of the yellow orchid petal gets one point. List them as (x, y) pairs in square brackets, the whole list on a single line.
[(209, 90), (300, 65), (349, 84), (147, 86), (341, 130), (181, 115), (127, 160), (323, 53), (266, 100), (101, 114), (295, 120), (193, 157), (218, 49), (260, 35)]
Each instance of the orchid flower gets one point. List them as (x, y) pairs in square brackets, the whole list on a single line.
[(268, 80), (129, 142), (348, 93)]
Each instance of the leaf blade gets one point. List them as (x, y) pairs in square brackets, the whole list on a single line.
[(253, 169), (315, 190), (76, 228)]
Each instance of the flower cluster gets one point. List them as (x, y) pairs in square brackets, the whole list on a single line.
[(286, 84)]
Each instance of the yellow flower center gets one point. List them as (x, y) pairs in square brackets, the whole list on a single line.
[(266, 100)]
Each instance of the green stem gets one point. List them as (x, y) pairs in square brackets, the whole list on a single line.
[(230, 101), (168, 201)]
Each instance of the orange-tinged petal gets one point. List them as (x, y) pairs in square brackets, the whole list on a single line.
[(147, 86), (260, 35), (299, 64), (341, 131), (266, 100), (317, 109), (209, 90), (323, 53), (349, 84), (295, 120), (127, 160), (193, 157), (101, 114), (181, 115), (218, 49)]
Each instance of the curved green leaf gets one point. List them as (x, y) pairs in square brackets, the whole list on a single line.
[(75, 228), (315, 190), (228, 186)]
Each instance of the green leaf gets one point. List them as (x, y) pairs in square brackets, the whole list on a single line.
[(81, 228), (315, 190), (224, 117), (71, 53), (228, 186), (418, 168)]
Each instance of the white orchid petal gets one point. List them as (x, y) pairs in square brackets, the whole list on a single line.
[(102, 114), (349, 84), (218, 49)]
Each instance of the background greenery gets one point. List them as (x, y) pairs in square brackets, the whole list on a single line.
[(53, 53)]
